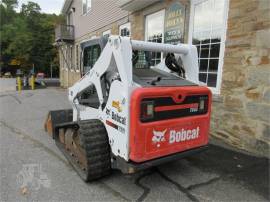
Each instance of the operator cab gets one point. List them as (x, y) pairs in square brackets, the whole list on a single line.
[(147, 70), (167, 72), (91, 51)]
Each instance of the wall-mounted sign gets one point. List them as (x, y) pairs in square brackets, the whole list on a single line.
[(174, 23)]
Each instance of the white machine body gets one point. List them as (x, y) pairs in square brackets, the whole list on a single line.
[(116, 57)]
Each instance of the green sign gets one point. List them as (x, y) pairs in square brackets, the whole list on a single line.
[(174, 23)]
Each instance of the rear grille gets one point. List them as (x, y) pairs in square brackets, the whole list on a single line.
[(167, 103)]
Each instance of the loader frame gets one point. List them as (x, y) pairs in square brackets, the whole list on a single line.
[(116, 57), (108, 125)]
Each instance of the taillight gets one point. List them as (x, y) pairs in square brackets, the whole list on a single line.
[(147, 110), (203, 103)]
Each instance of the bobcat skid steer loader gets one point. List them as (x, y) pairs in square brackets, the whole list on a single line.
[(130, 114)]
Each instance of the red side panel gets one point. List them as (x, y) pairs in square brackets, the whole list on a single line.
[(156, 139)]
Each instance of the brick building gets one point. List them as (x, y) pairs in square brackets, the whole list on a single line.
[(233, 42)]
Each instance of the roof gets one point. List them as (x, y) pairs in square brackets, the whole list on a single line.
[(134, 5), (66, 6)]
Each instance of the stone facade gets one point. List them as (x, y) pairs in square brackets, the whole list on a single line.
[(241, 114)]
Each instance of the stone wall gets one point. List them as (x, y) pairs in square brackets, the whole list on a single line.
[(68, 78), (241, 115)]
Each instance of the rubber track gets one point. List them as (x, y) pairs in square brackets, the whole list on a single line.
[(95, 142)]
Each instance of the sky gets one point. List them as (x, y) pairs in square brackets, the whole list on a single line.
[(47, 6)]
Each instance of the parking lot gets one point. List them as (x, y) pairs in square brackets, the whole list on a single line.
[(33, 169)]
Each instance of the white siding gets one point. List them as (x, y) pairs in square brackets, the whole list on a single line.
[(102, 13)]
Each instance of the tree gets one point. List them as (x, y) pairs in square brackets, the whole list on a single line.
[(7, 14), (27, 36), (30, 9)]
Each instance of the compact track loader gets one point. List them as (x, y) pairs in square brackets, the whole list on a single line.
[(129, 113)]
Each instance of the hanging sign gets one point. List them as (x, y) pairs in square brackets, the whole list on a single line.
[(174, 23)]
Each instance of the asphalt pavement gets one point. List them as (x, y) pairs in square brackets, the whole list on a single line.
[(7, 84), (33, 169)]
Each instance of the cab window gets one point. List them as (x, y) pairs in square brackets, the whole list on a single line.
[(90, 56)]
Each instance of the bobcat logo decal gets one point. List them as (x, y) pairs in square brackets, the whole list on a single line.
[(158, 136)]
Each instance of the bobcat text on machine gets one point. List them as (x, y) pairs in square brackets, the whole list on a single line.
[(129, 113)]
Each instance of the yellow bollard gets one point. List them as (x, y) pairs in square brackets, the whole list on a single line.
[(19, 83), (32, 82)]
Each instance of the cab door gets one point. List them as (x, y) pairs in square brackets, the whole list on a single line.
[(89, 57)]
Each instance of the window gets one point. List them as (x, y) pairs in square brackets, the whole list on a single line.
[(89, 97), (106, 33), (65, 56), (69, 18), (207, 32), (73, 57), (90, 56), (154, 32), (68, 57), (86, 6), (124, 30), (141, 59), (77, 58)]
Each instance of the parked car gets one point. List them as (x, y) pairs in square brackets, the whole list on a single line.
[(7, 75), (40, 75)]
